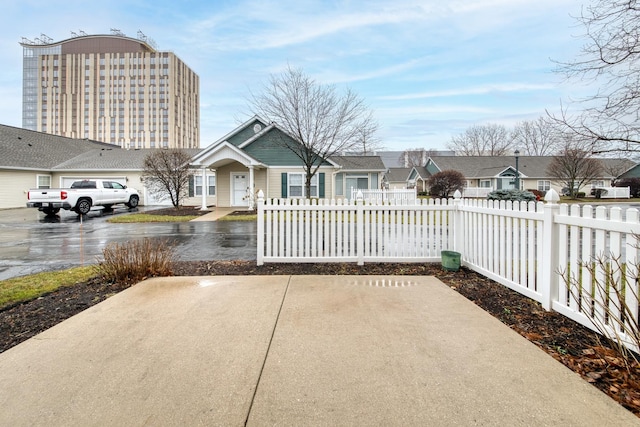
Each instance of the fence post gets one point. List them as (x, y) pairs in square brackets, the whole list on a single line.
[(548, 284), (458, 233), (260, 232), (360, 228)]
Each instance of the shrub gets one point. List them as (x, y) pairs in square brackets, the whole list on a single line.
[(513, 195), (613, 313), (539, 194), (444, 184), (136, 260)]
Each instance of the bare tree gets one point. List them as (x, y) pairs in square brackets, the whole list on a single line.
[(415, 157), (482, 140), (536, 137), (166, 174), (445, 183), (574, 167), (368, 141), (610, 59), (614, 168), (320, 121)]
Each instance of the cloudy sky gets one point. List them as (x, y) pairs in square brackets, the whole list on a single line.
[(428, 68)]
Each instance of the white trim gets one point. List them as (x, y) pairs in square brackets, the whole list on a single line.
[(232, 200), (229, 135)]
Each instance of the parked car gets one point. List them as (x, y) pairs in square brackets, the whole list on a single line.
[(82, 196)]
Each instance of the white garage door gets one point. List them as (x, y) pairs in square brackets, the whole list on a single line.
[(151, 200)]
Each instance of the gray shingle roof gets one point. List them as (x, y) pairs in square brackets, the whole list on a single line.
[(397, 174), (392, 159), (529, 166), (111, 159), (369, 163), (26, 149)]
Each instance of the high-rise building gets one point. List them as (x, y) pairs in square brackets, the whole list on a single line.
[(110, 88)]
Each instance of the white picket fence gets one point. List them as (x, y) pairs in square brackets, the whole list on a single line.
[(394, 195), (476, 191), (544, 251), (614, 192)]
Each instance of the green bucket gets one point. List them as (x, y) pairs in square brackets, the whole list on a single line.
[(450, 260)]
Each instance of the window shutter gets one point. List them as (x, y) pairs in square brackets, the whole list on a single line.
[(321, 185), (191, 186), (284, 185)]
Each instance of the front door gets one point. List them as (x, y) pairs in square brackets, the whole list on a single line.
[(239, 184)]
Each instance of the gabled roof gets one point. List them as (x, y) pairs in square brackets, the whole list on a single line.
[(529, 166), (359, 163), (398, 174), (31, 150), (224, 153), (420, 171), (241, 133)]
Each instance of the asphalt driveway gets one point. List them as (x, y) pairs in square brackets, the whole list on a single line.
[(30, 242)]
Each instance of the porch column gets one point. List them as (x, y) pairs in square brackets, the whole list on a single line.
[(251, 188), (204, 188)]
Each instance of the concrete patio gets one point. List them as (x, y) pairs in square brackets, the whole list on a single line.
[(294, 351)]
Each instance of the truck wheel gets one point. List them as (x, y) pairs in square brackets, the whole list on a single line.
[(133, 202), (83, 206), (50, 211)]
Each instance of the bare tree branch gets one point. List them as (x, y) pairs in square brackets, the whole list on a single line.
[(536, 137), (574, 167), (320, 121), (166, 174), (482, 140), (610, 59)]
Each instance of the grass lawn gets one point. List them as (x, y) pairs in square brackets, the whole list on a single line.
[(147, 217), (239, 217), (25, 288)]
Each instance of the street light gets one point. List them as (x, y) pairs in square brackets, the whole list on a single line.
[(517, 153)]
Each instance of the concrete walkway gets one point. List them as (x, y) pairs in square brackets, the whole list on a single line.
[(215, 214), (292, 351)]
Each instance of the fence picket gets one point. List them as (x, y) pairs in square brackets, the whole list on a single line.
[(525, 246)]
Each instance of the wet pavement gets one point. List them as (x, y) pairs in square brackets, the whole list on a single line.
[(30, 242)]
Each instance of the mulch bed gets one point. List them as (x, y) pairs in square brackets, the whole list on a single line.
[(182, 211), (568, 342)]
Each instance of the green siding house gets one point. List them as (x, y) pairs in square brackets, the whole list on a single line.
[(254, 157)]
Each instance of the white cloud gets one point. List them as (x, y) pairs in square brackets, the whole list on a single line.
[(478, 90)]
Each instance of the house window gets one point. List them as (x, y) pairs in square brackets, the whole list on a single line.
[(212, 185), (44, 181), (485, 183), (296, 185), (544, 185), (596, 184), (374, 180), (340, 184), (195, 185), (357, 182)]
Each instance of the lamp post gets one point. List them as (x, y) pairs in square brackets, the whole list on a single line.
[(517, 153)]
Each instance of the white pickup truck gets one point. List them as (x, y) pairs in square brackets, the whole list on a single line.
[(82, 196)]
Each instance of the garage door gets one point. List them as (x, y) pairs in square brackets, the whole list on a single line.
[(152, 200)]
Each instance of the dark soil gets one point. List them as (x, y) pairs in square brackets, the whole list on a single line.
[(568, 342)]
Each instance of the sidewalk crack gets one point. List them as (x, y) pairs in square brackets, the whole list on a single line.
[(266, 356)]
